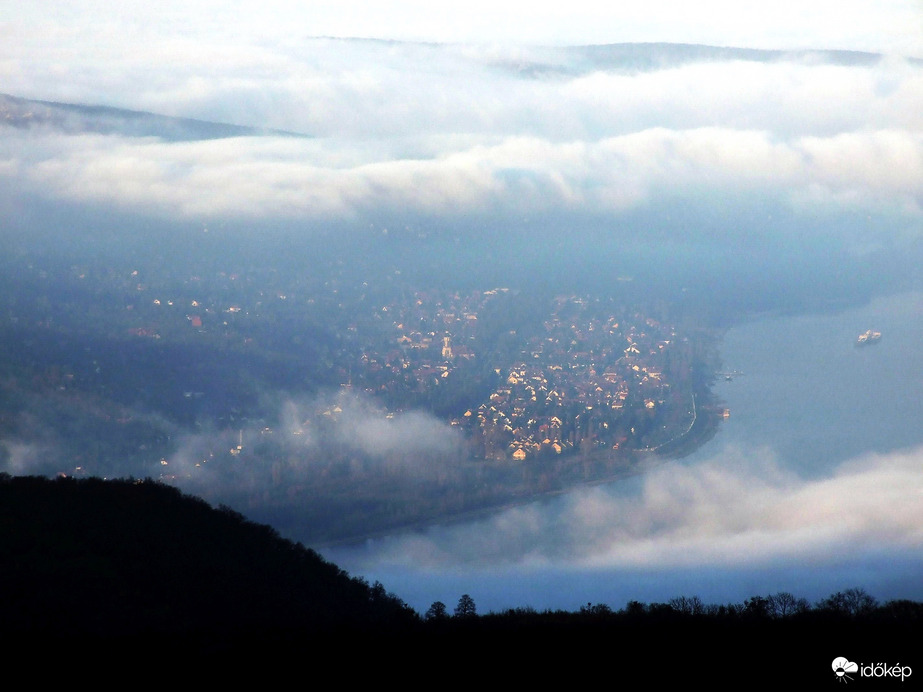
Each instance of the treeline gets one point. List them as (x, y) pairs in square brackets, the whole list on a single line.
[(853, 605), (684, 639)]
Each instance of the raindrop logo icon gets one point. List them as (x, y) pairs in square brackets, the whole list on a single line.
[(842, 667)]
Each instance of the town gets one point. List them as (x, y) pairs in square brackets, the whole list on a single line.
[(585, 374), (521, 375), (205, 373)]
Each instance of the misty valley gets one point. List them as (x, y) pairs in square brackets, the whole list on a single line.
[(626, 314), (341, 399)]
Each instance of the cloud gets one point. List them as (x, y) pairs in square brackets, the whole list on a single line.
[(20, 458), (446, 132), (373, 431), (303, 440), (736, 510), (877, 171), (758, 513), (491, 128), (364, 90)]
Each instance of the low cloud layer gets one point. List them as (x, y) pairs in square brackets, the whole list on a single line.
[(262, 177), (301, 440), (738, 510), (442, 133)]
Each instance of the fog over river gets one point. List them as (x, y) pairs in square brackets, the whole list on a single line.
[(812, 485)]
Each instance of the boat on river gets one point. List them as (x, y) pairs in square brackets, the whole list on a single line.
[(868, 337)]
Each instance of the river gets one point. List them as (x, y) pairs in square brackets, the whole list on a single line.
[(812, 485)]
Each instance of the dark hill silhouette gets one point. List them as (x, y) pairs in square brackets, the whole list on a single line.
[(118, 561), (98, 570)]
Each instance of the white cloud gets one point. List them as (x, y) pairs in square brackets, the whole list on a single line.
[(281, 177), (446, 131), (304, 437), (735, 511)]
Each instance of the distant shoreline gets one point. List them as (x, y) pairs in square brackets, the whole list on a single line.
[(640, 462)]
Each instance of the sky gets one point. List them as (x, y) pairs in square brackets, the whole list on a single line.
[(848, 24), (500, 125), (808, 165), (494, 124)]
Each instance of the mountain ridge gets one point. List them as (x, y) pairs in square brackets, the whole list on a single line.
[(73, 118)]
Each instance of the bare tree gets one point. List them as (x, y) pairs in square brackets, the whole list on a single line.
[(851, 602), (785, 604), (688, 605)]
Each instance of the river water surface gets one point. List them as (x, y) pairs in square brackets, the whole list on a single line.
[(813, 484)]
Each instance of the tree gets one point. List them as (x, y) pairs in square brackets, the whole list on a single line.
[(465, 607), (597, 609), (688, 605), (635, 608), (785, 604), (377, 592), (852, 602), (860, 602), (437, 611), (756, 607)]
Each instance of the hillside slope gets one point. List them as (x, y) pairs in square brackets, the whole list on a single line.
[(127, 559)]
